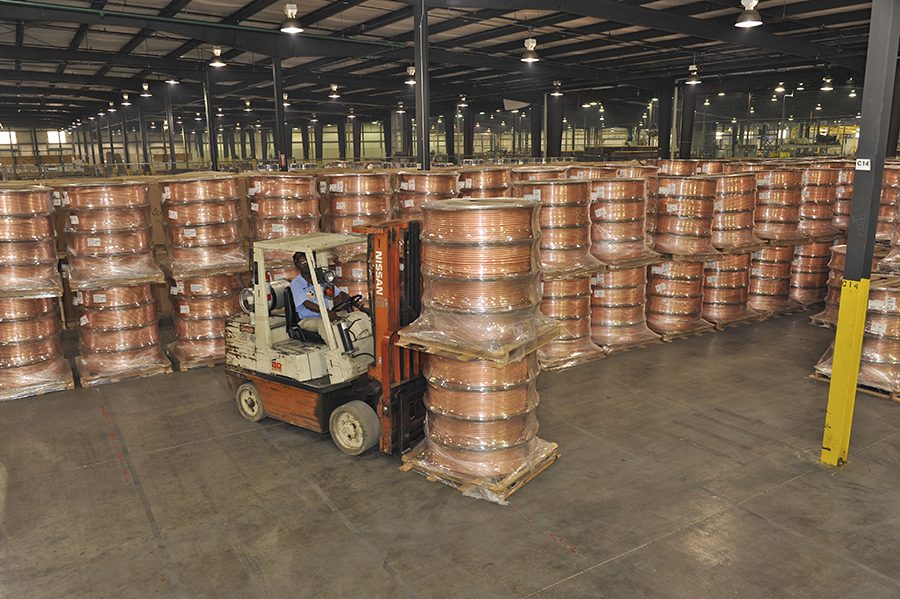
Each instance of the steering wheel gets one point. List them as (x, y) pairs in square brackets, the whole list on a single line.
[(349, 303)]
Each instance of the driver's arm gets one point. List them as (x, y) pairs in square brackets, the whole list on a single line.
[(311, 305)]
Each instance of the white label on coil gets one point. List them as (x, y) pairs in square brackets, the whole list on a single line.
[(338, 270), (78, 298), (536, 193), (600, 212), (251, 191), (195, 288), (467, 184), (190, 232), (184, 309), (257, 187), (412, 185), (166, 193), (890, 304), (357, 273), (599, 292), (402, 267), (344, 289), (670, 208), (660, 287), (340, 205), (65, 197), (409, 203), (659, 270), (173, 214), (598, 279), (762, 181), (665, 189), (173, 290), (73, 218), (254, 206), (278, 228), (93, 242), (755, 272), (57, 199), (179, 287), (280, 277), (530, 197), (712, 280), (339, 186), (404, 185), (878, 328), (359, 221), (876, 304), (595, 195), (323, 187), (709, 265), (863, 164), (719, 205), (99, 298), (83, 320)]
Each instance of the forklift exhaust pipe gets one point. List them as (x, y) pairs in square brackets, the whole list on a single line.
[(346, 341)]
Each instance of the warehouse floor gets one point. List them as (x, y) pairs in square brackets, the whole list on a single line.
[(688, 470)]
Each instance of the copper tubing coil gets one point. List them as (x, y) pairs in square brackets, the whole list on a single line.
[(743, 167), (842, 207), (108, 243), (485, 435), (52, 374), (564, 216), (685, 207), (481, 375), (469, 295), (778, 197), (675, 288), (617, 189), (619, 297), (345, 224), (735, 203), (841, 222), (677, 167), (193, 308), (498, 192), (556, 192), (482, 405), (680, 225), (590, 172), (816, 249), (411, 203), (878, 349), (733, 238), (710, 167), (724, 313), (779, 179), (26, 228), (847, 175), (658, 305), (620, 279), (883, 297), (818, 194), (201, 213), (891, 176), (352, 288), (108, 219), (566, 307), (282, 186), (83, 196), (203, 235), (209, 328), (686, 187), (565, 238), (538, 173), (15, 275), (771, 270), (345, 205), (623, 232), (354, 270), (671, 269), (814, 228), (715, 296), (111, 363), (808, 280), (272, 228), (568, 349), (565, 260), (359, 183), (209, 286), (637, 172), (682, 245), (22, 331), (776, 231), (25, 308), (843, 193), (438, 183), (95, 270), (578, 286), (726, 279), (284, 207), (884, 325), (25, 201), (494, 329), (820, 176), (617, 316), (776, 214), (114, 297), (188, 350), (464, 220), (735, 184), (816, 212), (617, 211), (278, 273), (17, 355), (28, 252), (200, 189), (574, 328), (90, 340), (620, 249), (484, 178), (622, 335), (783, 254), (674, 323), (730, 262), (483, 464), (769, 287), (230, 255), (114, 319)]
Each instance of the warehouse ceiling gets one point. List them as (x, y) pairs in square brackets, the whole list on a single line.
[(61, 61)]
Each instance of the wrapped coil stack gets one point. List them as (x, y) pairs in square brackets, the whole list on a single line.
[(809, 272), (710, 167), (675, 298), (879, 365), (118, 335), (618, 221), (587, 171), (778, 198), (200, 308), (678, 167), (828, 316), (568, 301), (817, 199), (735, 203), (31, 357), (887, 211), (843, 196), (416, 188), (651, 191), (726, 283), (353, 279), (28, 257), (492, 182), (282, 205), (355, 200), (618, 304), (770, 279), (538, 173), (684, 215)]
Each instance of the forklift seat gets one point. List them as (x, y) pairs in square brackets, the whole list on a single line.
[(292, 321)]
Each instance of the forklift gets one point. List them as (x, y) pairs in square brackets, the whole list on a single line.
[(354, 382)]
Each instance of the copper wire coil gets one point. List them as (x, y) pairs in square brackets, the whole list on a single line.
[(710, 167), (810, 264), (617, 316), (682, 245), (679, 225), (90, 340), (28, 252), (25, 201), (498, 192), (565, 238), (485, 435), (735, 203), (17, 355), (671, 269), (820, 176), (574, 328), (538, 173), (662, 320), (108, 243), (735, 184), (562, 260), (443, 183), (109, 319), (263, 207), (725, 279), (189, 350), (200, 189), (620, 249), (744, 167), (82, 196), (479, 374), (808, 295), (846, 175), (482, 405), (345, 205), (733, 238), (723, 313), (771, 270), (617, 211), (193, 308), (203, 235), (674, 288), (464, 220), (359, 183), (777, 214), (776, 231), (778, 197), (816, 212), (622, 335), (842, 207), (617, 189), (686, 187), (725, 295), (488, 329), (568, 349), (281, 186), (779, 178), (619, 297), (614, 279), (209, 328), (25, 308), (821, 194), (503, 295), (22, 331), (677, 167), (345, 224), (355, 270), (891, 176), (201, 213), (272, 228), (214, 256), (813, 228), (555, 192), (482, 464), (883, 325), (590, 172), (844, 194), (112, 363), (780, 288), (883, 296), (108, 219), (97, 270), (286, 273), (209, 286), (686, 207), (26, 228), (411, 202), (783, 254), (566, 307), (484, 178), (610, 233), (478, 260), (816, 249), (15, 276), (729, 262), (114, 297), (878, 350), (578, 286), (564, 216)]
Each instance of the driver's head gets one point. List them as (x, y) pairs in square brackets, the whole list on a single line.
[(302, 264)]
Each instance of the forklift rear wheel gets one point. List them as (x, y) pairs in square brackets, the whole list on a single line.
[(355, 427), (248, 402)]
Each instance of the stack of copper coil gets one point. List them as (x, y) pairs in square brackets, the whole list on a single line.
[(118, 335), (678, 167), (684, 215), (202, 221), (591, 171), (201, 307), (809, 272), (618, 227), (416, 188), (778, 198), (770, 279), (710, 167), (108, 231), (565, 246), (817, 198), (732, 224), (843, 195), (31, 358), (890, 191), (353, 278), (487, 182), (282, 205), (538, 173), (618, 303), (828, 316), (726, 284), (355, 200), (568, 301), (675, 298), (879, 365), (28, 260), (651, 189)]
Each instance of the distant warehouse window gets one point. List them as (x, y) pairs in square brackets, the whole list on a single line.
[(8, 138), (56, 137)]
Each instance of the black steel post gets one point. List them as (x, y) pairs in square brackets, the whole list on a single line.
[(264, 144), (208, 94), (100, 141), (664, 122), (407, 130), (318, 141), (170, 123), (468, 132), (304, 140), (78, 143), (125, 139), (423, 97), (198, 140), (243, 144), (450, 135), (34, 147), (388, 134), (537, 128), (356, 131), (252, 136), (279, 127), (342, 139), (93, 156), (688, 107), (554, 110), (145, 142)]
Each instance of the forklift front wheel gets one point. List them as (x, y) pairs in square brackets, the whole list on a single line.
[(355, 427), (248, 402)]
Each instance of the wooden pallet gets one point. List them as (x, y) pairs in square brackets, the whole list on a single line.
[(799, 240), (827, 324), (757, 317), (420, 461), (705, 257), (634, 262), (124, 281), (610, 350), (744, 249), (864, 389), (54, 289), (184, 365), (570, 361), (36, 390), (822, 238), (502, 355), (87, 380), (700, 330), (792, 309)]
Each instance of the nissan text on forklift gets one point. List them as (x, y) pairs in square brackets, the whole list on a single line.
[(344, 375)]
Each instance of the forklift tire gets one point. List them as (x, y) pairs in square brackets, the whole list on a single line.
[(248, 402), (355, 427)]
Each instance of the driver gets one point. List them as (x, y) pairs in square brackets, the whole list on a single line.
[(306, 302)]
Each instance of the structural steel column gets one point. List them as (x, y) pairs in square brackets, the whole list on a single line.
[(34, 147), (278, 128), (78, 144), (881, 66), (100, 142), (450, 135), (125, 138), (423, 98), (407, 133), (688, 107), (664, 122), (252, 136), (264, 144), (112, 145), (243, 144), (304, 140), (342, 139), (170, 122), (318, 141), (468, 132), (554, 111), (145, 142), (210, 122), (388, 134), (356, 131), (93, 157), (537, 128)]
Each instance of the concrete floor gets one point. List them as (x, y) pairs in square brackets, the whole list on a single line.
[(688, 470)]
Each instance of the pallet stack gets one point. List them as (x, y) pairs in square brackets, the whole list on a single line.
[(489, 182)]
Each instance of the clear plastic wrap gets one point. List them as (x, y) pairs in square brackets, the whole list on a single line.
[(618, 215), (268, 207), (98, 195), (778, 199), (201, 307), (25, 200), (278, 227), (828, 316), (281, 185), (28, 261), (200, 213), (618, 303), (726, 283), (809, 272), (733, 209), (443, 183), (891, 262), (770, 279), (31, 361), (49, 376), (675, 298), (205, 187), (710, 167), (817, 202), (538, 173), (477, 182), (359, 183), (678, 167), (568, 301), (651, 189)]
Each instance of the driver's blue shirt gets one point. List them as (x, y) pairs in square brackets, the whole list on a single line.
[(303, 291)]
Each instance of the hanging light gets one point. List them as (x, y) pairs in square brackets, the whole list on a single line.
[(556, 89), (125, 100), (173, 81), (462, 102), (334, 95), (720, 94), (780, 88), (818, 107), (314, 119), (90, 118), (800, 87), (852, 93), (216, 61), (706, 102), (198, 117), (400, 109), (791, 118), (693, 79), (351, 115), (112, 107), (284, 100), (220, 109), (247, 106), (826, 84), (290, 23), (530, 55), (146, 93), (774, 98), (410, 76), (586, 105), (749, 17)]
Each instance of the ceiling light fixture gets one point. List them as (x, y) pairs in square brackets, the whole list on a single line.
[(818, 107), (410, 76), (125, 100), (112, 107), (826, 84), (351, 115), (216, 61), (314, 119), (530, 55), (197, 117), (334, 95), (462, 102), (774, 98), (852, 93), (291, 24), (146, 93), (400, 109), (284, 100), (173, 81), (706, 102), (247, 106), (780, 88), (693, 79), (800, 87), (556, 89), (749, 17), (720, 94)]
